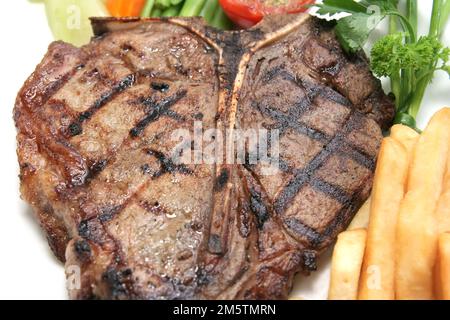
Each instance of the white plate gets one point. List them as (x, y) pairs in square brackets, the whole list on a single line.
[(28, 270)]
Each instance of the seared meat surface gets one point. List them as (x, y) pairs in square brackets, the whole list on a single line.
[(95, 129)]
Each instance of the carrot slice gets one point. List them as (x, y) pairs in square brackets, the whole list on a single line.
[(125, 8)]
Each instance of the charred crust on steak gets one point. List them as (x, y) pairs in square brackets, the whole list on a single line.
[(93, 230), (215, 244), (160, 86), (314, 237), (75, 129), (108, 213), (83, 250), (97, 167), (83, 229), (309, 258), (199, 116), (222, 179), (146, 169), (232, 53), (167, 164), (118, 282), (259, 208)]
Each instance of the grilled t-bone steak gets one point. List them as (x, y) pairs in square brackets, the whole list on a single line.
[(94, 138)]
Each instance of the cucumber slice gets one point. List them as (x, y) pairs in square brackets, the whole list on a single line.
[(69, 19)]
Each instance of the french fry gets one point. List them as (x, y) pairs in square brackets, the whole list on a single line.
[(346, 265), (405, 135), (361, 219), (378, 272), (443, 220), (443, 267), (417, 232), (443, 208)]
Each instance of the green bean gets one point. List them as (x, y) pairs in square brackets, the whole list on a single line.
[(435, 18), (221, 21), (445, 14), (411, 14), (156, 13), (163, 4), (171, 11), (147, 11), (192, 8), (209, 9)]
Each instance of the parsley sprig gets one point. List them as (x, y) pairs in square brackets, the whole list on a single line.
[(409, 60)]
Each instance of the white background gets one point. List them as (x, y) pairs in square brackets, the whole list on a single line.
[(28, 269)]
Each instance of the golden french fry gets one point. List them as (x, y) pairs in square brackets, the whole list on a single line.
[(417, 233), (443, 208), (443, 221), (361, 219), (377, 275), (405, 135), (443, 267), (443, 212), (346, 265)]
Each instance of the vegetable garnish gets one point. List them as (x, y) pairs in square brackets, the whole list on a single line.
[(353, 31), (69, 19), (246, 13), (411, 67), (210, 10), (410, 61)]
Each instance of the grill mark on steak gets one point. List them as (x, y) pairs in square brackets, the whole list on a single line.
[(160, 86), (222, 179), (118, 282), (108, 213), (362, 158), (287, 121), (96, 168), (99, 165), (167, 165), (75, 128), (91, 229), (156, 110), (343, 213), (305, 175), (83, 250), (259, 201), (316, 238), (276, 71), (314, 90), (333, 191), (312, 235), (259, 208)]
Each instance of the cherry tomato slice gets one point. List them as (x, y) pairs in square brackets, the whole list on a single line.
[(246, 13)]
